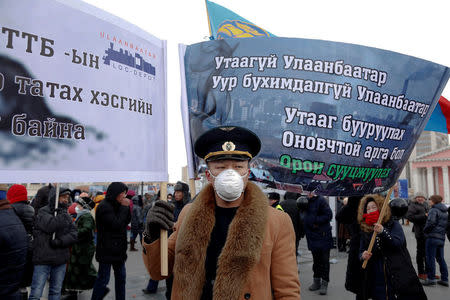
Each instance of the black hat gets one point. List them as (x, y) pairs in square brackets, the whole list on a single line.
[(227, 142), (273, 196), (181, 186)]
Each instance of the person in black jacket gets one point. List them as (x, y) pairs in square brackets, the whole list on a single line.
[(53, 234), (289, 205), (112, 217), (347, 215), (448, 224), (417, 214), (18, 197), (13, 249), (41, 198), (318, 236), (435, 229), (389, 274)]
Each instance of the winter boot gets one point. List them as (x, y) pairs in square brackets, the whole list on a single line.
[(316, 285), (323, 287), (132, 242)]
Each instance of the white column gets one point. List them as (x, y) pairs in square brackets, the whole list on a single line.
[(446, 184), (416, 183), (430, 181)]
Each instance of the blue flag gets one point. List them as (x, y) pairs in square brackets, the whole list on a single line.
[(223, 23)]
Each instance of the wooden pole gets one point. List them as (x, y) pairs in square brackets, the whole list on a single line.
[(192, 187), (382, 213), (163, 236), (209, 21)]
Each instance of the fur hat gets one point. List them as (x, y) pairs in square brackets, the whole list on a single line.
[(17, 193), (181, 186), (379, 200), (419, 194)]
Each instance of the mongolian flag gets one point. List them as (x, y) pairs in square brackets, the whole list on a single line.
[(223, 23), (440, 119)]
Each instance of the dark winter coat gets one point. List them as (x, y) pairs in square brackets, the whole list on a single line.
[(81, 273), (41, 198), (290, 207), (317, 219), (45, 225), (13, 249), (390, 259), (348, 215), (417, 214), (112, 219), (436, 225), (448, 224), (26, 214), (137, 224)]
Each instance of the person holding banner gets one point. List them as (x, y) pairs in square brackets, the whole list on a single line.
[(228, 243), (389, 273), (54, 233)]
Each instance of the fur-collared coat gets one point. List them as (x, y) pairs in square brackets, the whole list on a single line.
[(257, 261)]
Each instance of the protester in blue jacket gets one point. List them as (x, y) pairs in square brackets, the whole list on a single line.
[(317, 219)]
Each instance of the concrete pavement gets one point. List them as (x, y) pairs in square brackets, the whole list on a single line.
[(137, 275)]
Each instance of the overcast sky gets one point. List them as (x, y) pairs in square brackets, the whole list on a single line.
[(417, 28)]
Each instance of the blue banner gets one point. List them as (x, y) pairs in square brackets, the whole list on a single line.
[(336, 118)]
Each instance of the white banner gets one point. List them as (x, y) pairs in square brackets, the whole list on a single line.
[(82, 95)]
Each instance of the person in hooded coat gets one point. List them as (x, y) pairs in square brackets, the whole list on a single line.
[(53, 234), (13, 249), (389, 274), (81, 273), (112, 217), (41, 198)]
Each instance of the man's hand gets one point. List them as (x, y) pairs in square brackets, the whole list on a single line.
[(160, 216)]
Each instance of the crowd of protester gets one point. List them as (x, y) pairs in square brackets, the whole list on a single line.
[(54, 238)]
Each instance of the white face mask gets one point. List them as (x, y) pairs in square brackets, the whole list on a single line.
[(229, 184), (77, 210)]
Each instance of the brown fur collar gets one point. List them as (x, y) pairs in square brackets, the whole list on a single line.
[(239, 255), (379, 200)]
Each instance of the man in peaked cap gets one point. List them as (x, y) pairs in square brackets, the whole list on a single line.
[(228, 243)]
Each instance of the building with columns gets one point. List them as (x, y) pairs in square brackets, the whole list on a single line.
[(428, 145), (430, 173)]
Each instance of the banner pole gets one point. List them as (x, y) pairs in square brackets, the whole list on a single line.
[(192, 187), (209, 21), (382, 213), (56, 203), (163, 236)]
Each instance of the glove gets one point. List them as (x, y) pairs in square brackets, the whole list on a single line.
[(159, 216), (56, 243)]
